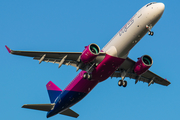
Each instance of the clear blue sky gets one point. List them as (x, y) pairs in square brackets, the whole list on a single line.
[(69, 25)]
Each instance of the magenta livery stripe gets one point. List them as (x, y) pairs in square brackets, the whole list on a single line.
[(51, 86), (100, 73), (107, 67), (79, 84)]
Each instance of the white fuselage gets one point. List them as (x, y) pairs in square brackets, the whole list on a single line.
[(131, 33)]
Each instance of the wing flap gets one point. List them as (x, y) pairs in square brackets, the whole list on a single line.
[(42, 107)]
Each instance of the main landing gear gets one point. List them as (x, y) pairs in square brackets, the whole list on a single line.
[(149, 27), (123, 75), (122, 83)]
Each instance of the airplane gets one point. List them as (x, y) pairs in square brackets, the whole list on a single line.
[(97, 65)]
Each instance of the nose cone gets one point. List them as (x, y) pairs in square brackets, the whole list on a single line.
[(161, 7)]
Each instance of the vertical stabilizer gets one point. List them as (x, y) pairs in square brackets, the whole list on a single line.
[(53, 91)]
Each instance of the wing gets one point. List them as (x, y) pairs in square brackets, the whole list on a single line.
[(148, 76), (66, 58)]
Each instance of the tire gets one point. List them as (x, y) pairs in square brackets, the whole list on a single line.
[(152, 33), (149, 33), (120, 82), (85, 75), (89, 76), (124, 83)]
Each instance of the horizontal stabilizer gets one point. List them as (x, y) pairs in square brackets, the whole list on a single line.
[(42, 107), (48, 107), (70, 113)]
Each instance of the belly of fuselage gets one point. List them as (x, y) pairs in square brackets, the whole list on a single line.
[(106, 68), (80, 87)]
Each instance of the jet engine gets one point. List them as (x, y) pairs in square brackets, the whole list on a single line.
[(143, 64), (90, 53)]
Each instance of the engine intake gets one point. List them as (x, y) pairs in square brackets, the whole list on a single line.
[(143, 64), (90, 53)]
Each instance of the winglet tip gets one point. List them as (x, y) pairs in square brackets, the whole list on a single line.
[(8, 49)]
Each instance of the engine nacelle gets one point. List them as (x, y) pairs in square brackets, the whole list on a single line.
[(143, 64), (90, 53)]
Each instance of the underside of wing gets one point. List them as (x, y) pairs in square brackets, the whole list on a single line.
[(148, 76), (66, 58), (53, 57)]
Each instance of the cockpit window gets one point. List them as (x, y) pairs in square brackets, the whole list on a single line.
[(151, 4)]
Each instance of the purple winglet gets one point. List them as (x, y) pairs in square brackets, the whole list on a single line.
[(8, 49)]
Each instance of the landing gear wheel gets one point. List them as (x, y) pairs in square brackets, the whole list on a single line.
[(120, 82), (151, 33), (124, 83), (89, 77), (85, 76)]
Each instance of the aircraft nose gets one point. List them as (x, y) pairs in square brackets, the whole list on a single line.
[(161, 7)]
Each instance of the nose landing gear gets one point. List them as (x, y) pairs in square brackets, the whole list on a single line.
[(151, 33), (149, 27)]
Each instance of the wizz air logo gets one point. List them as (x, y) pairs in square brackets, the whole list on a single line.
[(126, 26)]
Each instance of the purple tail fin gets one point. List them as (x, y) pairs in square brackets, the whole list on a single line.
[(53, 91)]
